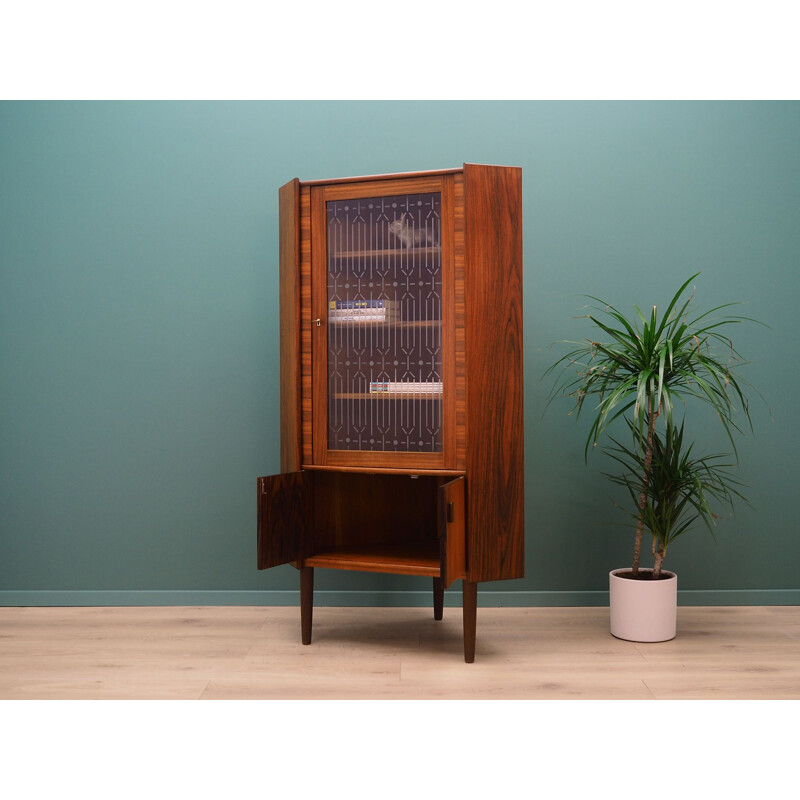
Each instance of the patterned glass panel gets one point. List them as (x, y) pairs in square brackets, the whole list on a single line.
[(384, 282)]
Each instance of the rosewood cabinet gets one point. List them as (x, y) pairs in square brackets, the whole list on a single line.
[(401, 382)]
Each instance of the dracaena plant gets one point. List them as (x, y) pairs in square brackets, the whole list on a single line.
[(681, 488), (637, 369)]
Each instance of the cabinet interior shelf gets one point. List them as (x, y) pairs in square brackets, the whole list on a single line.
[(401, 558), (441, 473), (414, 251), (387, 396), (379, 323)]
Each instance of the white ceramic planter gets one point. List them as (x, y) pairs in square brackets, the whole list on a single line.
[(643, 611)]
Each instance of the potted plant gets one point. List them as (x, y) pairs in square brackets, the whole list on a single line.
[(635, 377)]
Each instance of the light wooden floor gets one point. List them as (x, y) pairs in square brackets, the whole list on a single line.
[(383, 653)]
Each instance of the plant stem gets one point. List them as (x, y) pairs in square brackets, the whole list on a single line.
[(658, 554), (648, 460)]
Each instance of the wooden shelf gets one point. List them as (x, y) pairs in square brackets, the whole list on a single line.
[(414, 251), (416, 558), (443, 473), (392, 323), (388, 396)]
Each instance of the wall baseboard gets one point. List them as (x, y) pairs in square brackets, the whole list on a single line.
[(267, 597)]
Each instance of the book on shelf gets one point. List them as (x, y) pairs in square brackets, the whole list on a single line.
[(380, 317), (405, 387), (363, 311), (345, 304)]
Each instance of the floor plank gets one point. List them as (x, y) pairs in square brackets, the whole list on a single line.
[(391, 653)]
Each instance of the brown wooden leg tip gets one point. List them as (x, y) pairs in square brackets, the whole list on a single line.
[(306, 603), (438, 598), (470, 609)]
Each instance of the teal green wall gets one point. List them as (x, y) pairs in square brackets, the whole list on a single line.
[(139, 328)]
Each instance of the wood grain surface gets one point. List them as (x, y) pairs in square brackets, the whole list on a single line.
[(495, 431), (247, 652), (282, 519), (289, 287)]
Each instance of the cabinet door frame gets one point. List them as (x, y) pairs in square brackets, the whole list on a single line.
[(452, 530), (283, 519), (320, 195)]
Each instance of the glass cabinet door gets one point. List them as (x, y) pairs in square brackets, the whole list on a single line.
[(384, 332)]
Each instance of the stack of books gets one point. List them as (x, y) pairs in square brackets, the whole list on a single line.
[(363, 311), (405, 387)]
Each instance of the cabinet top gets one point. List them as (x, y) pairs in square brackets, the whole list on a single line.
[(389, 176)]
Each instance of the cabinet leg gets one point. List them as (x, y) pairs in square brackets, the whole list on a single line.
[(306, 602), (470, 603), (438, 598)]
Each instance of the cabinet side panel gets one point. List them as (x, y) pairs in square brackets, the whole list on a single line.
[(289, 210), (460, 331), (495, 433), (305, 321)]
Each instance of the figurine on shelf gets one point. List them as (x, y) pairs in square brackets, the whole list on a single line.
[(408, 234)]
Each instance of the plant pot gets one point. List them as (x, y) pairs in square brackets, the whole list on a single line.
[(643, 610)]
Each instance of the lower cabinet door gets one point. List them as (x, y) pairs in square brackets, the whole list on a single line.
[(452, 531), (282, 519)]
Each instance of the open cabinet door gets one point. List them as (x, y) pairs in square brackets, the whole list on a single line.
[(282, 519), (452, 531)]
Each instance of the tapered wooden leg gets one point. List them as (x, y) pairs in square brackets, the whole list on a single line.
[(470, 603), (438, 598), (306, 602)]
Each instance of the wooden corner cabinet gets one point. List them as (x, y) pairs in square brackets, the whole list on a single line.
[(401, 382)]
